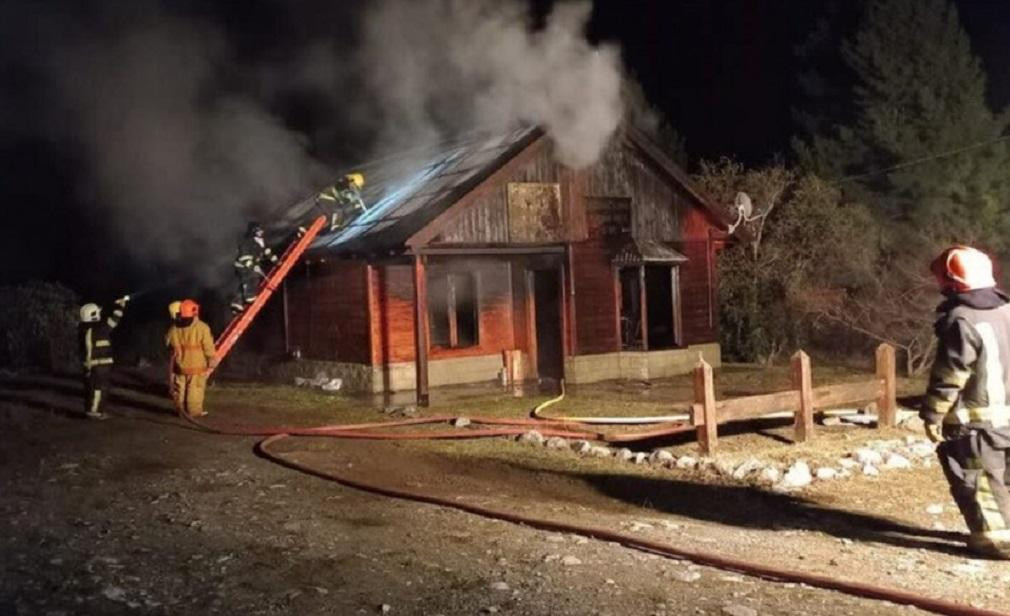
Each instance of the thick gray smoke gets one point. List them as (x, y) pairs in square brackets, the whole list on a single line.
[(177, 165), (182, 136), (442, 67)]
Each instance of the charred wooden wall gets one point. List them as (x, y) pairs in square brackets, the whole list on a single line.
[(392, 327), (328, 311)]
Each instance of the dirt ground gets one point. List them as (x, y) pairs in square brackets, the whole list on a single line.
[(143, 514)]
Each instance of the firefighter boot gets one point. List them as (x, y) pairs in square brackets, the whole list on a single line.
[(991, 544)]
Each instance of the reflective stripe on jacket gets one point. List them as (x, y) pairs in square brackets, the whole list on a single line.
[(971, 373), (95, 341), (192, 347)]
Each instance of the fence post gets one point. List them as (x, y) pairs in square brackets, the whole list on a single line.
[(887, 401), (704, 407), (803, 384)]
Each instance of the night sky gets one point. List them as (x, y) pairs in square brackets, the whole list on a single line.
[(722, 72)]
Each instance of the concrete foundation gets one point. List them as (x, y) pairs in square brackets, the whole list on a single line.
[(634, 365), (639, 365)]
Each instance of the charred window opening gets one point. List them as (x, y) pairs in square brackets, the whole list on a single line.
[(649, 298), (453, 316)]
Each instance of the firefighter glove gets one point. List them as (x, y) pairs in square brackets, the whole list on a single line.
[(933, 432), (121, 302)]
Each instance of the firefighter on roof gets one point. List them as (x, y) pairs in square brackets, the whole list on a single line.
[(96, 353), (343, 200), (965, 408), (252, 252), (192, 356)]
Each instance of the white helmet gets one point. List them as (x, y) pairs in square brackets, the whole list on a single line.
[(90, 313)]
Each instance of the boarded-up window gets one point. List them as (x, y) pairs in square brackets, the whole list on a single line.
[(534, 212), (453, 312)]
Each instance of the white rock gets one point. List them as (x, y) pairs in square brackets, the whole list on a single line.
[(934, 509), (894, 460), (686, 576), (797, 476), (624, 454), (556, 442), (769, 474), (114, 593), (637, 527), (499, 586), (531, 438), (825, 473), (686, 462), (738, 610), (861, 419), (570, 561), (640, 458), (551, 558), (385, 608), (491, 609), (848, 464), (661, 457), (581, 447), (832, 421), (923, 449), (600, 452), (870, 470), (867, 456), (746, 468), (461, 422)]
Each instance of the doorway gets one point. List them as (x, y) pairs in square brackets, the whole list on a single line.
[(547, 306)]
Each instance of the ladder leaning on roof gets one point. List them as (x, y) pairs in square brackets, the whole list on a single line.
[(273, 280)]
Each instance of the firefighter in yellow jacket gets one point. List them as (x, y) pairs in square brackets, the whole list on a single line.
[(192, 356)]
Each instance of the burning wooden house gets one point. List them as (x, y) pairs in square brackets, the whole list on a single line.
[(496, 262)]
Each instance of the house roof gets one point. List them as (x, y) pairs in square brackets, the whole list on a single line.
[(645, 252), (405, 196)]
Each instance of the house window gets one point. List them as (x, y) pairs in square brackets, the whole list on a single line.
[(453, 315), (649, 293)]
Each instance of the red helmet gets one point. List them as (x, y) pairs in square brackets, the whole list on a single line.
[(189, 309), (962, 268)]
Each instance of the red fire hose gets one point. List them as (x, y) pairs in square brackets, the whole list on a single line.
[(372, 431)]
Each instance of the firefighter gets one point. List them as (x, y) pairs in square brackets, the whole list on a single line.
[(965, 409), (343, 200), (192, 356), (252, 253), (96, 351)]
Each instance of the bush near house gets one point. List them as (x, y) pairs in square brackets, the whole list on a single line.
[(38, 327)]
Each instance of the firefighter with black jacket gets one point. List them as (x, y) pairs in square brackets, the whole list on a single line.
[(252, 253), (965, 409), (96, 352)]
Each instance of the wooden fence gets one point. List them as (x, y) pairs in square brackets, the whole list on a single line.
[(802, 399)]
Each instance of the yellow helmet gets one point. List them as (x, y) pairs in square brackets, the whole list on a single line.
[(356, 178), (173, 309)]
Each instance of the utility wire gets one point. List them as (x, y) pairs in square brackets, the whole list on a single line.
[(924, 159)]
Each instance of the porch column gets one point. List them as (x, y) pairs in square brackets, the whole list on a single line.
[(421, 328), (643, 310)]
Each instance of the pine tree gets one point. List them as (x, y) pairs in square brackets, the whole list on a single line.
[(918, 96)]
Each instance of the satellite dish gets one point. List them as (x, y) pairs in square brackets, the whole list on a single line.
[(744, 205), (744, 210)]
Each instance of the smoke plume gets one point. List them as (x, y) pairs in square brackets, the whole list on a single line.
[(434, 69), (184, 133)]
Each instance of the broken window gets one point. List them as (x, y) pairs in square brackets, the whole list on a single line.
[(649, 294), (453, 315)]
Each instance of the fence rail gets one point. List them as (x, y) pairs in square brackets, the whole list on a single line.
[(802, 400)]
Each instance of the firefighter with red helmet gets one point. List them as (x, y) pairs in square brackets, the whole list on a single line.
[(192, 356), (95, 336), (965, 409)]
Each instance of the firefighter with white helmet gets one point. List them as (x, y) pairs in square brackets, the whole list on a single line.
[(966, 406), (97, 359)]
